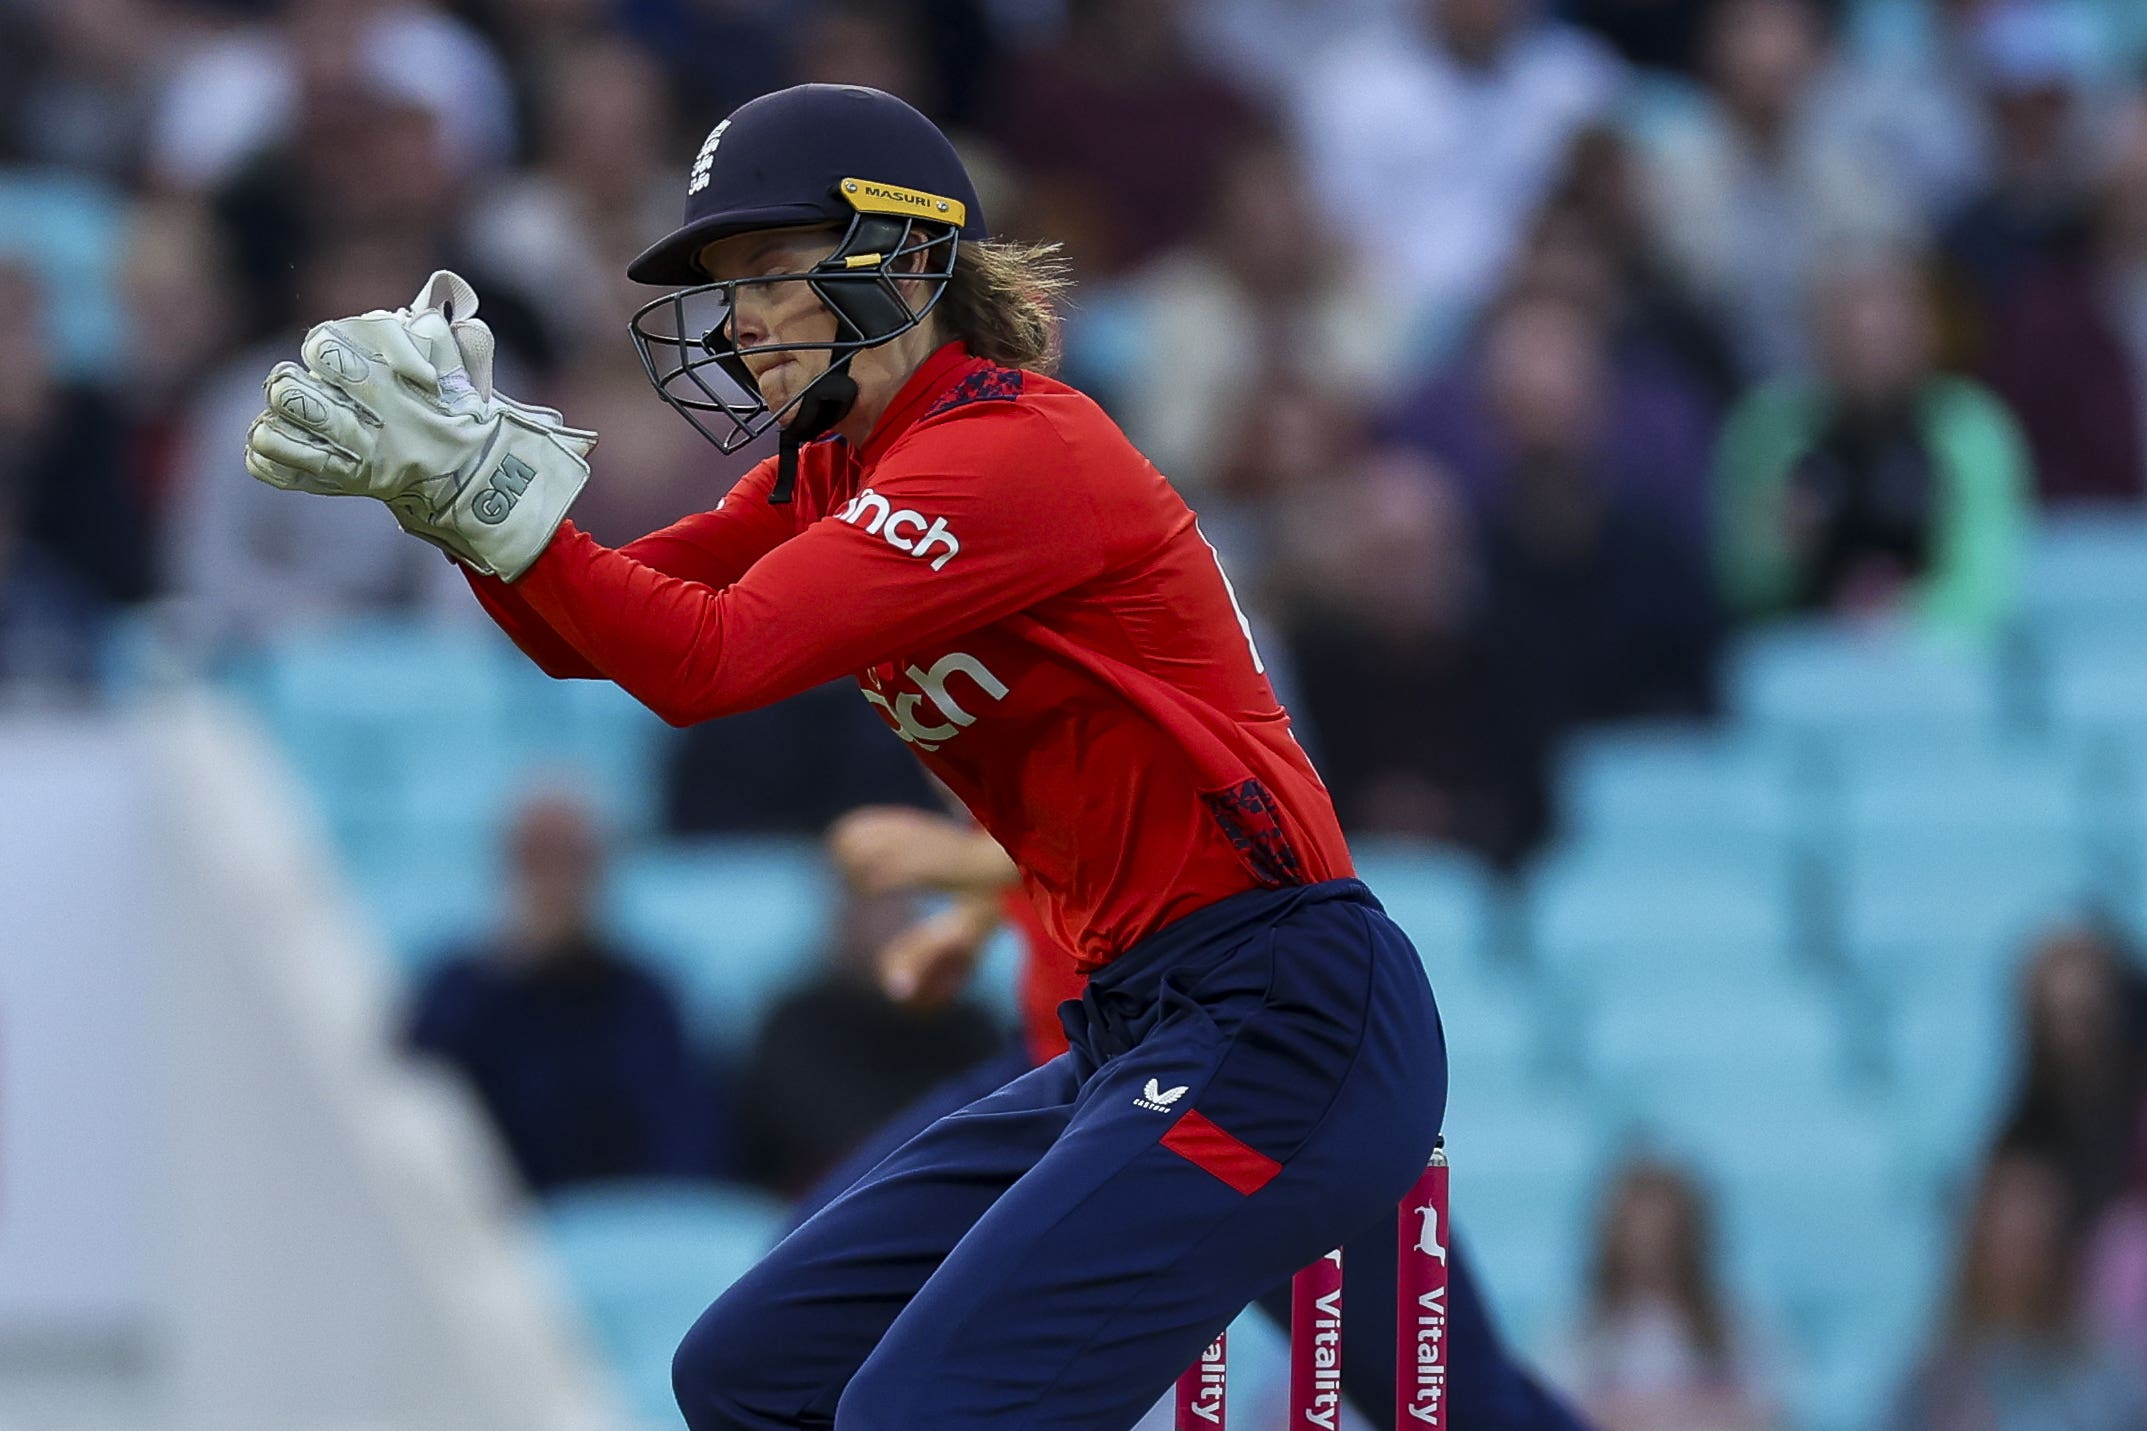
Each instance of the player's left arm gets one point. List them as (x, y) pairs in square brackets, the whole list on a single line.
[(1013, 526)]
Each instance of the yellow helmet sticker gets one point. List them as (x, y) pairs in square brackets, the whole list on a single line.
[(868, 196)]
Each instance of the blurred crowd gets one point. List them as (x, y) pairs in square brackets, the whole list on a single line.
[(1515, 354), (2042, 1317), (584, 1061)]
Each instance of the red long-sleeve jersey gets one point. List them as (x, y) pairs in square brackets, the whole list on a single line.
[(1029, 605)]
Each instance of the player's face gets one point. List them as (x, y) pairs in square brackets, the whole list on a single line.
[(776, 312)]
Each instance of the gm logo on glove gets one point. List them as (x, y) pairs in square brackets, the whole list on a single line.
[(508, 482)]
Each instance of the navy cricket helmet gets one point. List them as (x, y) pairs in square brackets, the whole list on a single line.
[(843, 157)]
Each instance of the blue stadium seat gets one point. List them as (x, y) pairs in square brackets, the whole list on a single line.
[(1448, 905), (1854, 1365), (1655, 780), (630, 1239), (1862, 683), (1545, 1149), (1848, 1258), (1816, 1214), (1917, 906), (1805, 1182), (426, 891), (1692, 908), (1951, 1054), (387, 721), (2086, 566), (734, 921), (2102, 710), (1654, 1044), (1921, 786), (471, 795), (1528, 1172), (1494, 1031), (2115, 764), (595, 728), (401, 727), (384, 674), (2095, 676), (1443, 900), (644, 1260), (1851, 1269)]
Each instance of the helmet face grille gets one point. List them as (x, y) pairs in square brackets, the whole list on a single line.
[(689, 353)]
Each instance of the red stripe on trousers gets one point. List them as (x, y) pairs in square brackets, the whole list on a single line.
[(1208, 1147)]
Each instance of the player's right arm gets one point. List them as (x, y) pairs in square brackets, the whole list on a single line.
[(714, 548), (882, 849), (399, 406)]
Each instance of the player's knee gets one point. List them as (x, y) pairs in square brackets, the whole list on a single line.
[(878, 1398), (711, 1370)]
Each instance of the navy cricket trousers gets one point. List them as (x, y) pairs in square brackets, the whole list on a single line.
[(1487, 1389), (1248, 1088)]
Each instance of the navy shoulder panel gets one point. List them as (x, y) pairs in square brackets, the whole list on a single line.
[(991, 384)]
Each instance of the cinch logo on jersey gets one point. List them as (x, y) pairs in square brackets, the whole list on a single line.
[(903, 709), (1157, 1099), (906, 530)]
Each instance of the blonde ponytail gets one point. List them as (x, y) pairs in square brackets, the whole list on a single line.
[(1003, 301)]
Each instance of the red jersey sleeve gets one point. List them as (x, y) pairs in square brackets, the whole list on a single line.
[(967, 519), (715, 547)]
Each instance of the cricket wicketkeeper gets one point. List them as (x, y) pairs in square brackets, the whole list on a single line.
[(1256, 1072)]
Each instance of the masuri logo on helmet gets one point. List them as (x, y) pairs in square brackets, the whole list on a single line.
[(870, 198)]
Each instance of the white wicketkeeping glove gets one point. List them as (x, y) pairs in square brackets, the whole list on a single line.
[(399, 407)]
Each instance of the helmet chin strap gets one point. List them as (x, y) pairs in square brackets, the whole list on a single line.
[(826, 401)]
